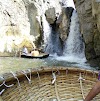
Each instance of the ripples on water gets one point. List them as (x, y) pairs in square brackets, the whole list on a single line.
[(8, 64)]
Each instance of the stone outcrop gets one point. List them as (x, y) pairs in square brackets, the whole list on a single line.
[(34, 24), (21, 19), (50, 15), (60, 22), (89, 16), (21, 23), (64, 22), (96, 18), (15, 26)]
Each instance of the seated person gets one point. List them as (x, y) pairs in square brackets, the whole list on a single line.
[(24, 51), (35, 52)]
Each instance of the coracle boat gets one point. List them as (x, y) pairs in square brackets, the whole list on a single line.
[(41, 56), (48, 84)]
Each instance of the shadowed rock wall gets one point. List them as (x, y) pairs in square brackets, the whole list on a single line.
[(89, 16)]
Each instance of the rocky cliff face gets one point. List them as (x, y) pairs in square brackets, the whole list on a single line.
[(89, 15), (21, 23), (15, 26)]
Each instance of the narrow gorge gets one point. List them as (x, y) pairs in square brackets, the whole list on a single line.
[(47, 25)]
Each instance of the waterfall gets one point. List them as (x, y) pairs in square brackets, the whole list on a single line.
[(46, 31), (74, 46), (52, 43), (68, 3)]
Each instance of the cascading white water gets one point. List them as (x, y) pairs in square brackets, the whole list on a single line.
[(74, 46), (46, 31), (68, 3), (52, 43)]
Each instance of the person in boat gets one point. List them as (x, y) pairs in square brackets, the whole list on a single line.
[(24, 51), (35, 52), (94, 91)]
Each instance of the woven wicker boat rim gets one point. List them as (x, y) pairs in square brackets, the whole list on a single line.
[(9, 77), (47, 84)]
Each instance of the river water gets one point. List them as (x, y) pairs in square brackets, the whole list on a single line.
[(73, 55), (8, 64)]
